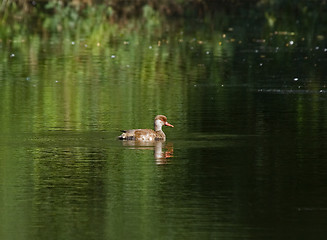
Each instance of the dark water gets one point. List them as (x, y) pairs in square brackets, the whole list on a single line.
[(246, 159)]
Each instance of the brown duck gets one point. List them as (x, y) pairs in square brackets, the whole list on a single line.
[(147, 134)]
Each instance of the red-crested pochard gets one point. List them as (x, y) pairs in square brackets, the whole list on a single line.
[(147, 134)]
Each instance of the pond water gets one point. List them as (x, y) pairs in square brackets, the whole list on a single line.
[(245, 160)]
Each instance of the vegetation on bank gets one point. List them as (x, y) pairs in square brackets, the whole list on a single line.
[(19, 16), (124, 8), (119, 9)]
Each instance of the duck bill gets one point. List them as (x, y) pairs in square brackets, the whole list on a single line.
[(168, 124)]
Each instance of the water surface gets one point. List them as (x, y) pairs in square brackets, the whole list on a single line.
[(246, 159)]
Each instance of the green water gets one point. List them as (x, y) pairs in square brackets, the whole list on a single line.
[(245, 160)]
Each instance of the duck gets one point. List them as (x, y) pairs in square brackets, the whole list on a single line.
[(147, 134)]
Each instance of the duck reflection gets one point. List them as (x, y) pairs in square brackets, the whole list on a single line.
[(162, 150)]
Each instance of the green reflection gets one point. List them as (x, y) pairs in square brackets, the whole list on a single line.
[(246, 93)]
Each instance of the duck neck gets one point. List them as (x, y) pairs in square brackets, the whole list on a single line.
[(157, 125)]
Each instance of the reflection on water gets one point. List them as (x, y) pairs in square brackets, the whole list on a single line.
[(162, 150), (292, 91), (246, 159)]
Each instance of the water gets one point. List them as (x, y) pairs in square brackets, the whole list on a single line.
[(246, 159)]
